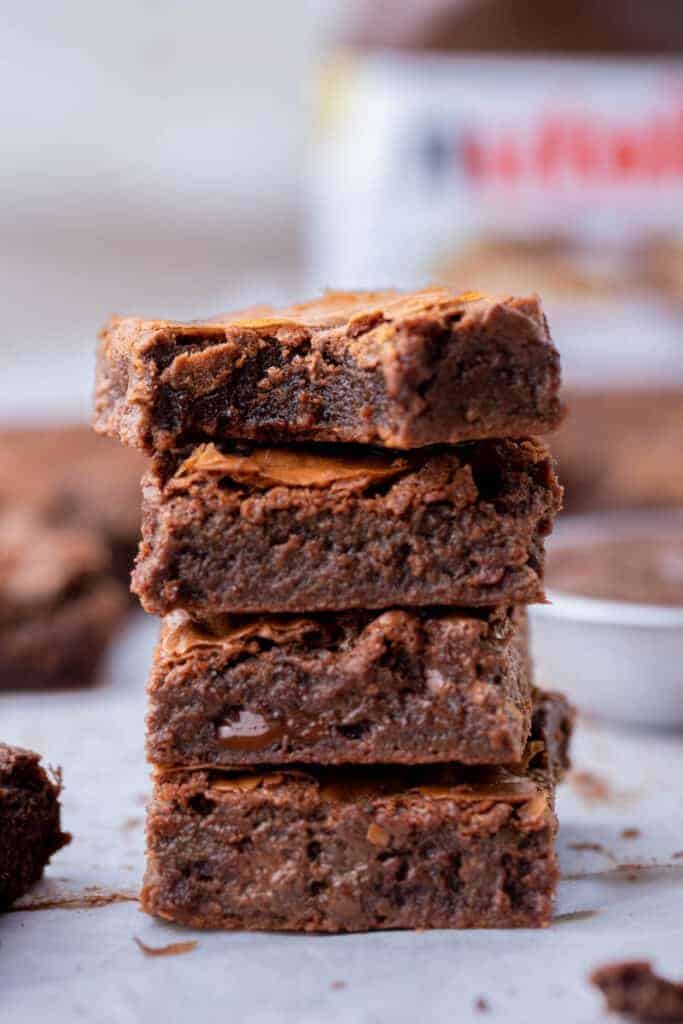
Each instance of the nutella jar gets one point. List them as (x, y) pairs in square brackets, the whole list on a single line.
[(514, 147)]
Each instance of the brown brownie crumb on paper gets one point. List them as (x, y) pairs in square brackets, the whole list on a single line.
[(632, 988)]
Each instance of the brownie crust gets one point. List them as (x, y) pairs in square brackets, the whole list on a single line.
[(30, 830), (281, 530), (354, 849), (359, 687), (382, 368)]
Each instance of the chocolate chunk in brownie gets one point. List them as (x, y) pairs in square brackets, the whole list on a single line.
[(285, 530), (59, 606), (383, 368), (355, 848), (634, 989), (30, 829), (363, 687), (69, 476)]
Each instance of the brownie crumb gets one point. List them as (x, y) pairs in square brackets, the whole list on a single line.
[(631, 833), (632, 988), (337, 984), (591, 788), (575, 915), (130, 823), (678, 855), (82, 901), (172, 949), (482, 1005)]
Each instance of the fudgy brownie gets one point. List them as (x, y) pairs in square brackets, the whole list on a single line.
[(355, 687), (59, 606), (284, 530), (30, 829), (354, 849), (384, 368), (66, 475)]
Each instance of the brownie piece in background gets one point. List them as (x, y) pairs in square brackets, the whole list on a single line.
[(30, 830), (67, 475), (622, 448), (59, 605), (395, 687), (358, 848), (633, 988), (229, 529), (384, 368)]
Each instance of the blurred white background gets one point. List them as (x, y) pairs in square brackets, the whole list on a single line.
[(154, 157)]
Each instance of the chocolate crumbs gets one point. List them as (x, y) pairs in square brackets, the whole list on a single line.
[(172, 949)]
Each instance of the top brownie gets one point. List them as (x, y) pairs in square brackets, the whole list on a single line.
[(383, 368)]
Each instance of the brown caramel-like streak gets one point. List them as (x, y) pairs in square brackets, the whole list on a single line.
[(486, 785), (270, 467), (180, 636), (172, 949), (337, 309)]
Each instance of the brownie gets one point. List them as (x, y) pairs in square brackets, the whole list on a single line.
[(621, 448), (242, 530), (67, 475), (633, 988), (382, 368), (59, 606), (30, 829), (394, 686), (352, 848)]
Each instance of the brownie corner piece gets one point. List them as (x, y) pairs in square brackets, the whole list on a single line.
[(400, 370), (354, 848), (30, 830)]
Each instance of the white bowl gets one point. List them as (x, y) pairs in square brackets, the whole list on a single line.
[(616, 659)]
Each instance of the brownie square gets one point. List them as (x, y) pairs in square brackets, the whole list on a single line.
[(242, 530), (68, 476), (59, 606), (358, 848), (383, 368), (30, 830), (399, 686)]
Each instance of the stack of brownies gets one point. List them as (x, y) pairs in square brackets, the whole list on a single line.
[(343, 521)]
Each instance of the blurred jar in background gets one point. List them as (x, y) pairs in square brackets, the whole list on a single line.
[(512, 147)]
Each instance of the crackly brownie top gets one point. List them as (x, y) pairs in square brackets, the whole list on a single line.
[(363, 321), (320, 466), (181, 637), (336, 467), (528, 790)]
